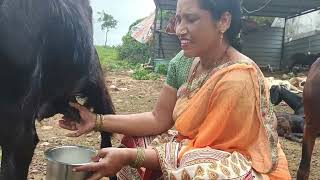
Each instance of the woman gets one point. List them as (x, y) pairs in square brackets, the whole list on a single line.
[(217, 101)]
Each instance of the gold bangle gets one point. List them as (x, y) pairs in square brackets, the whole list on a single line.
[(99, 122), (141, 156), (96, 123)]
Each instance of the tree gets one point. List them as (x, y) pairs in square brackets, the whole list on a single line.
[(133, 50), (108, 23)]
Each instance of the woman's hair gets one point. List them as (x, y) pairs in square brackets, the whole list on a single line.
[(218, 7)]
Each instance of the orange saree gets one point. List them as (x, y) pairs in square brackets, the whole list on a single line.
[(232, 113)]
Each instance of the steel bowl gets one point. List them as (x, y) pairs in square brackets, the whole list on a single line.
[(61, 160)]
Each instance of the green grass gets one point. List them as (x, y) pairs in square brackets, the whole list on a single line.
[(110, 61), (144, 74)]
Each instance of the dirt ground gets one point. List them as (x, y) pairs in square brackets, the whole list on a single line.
[(138, 96)]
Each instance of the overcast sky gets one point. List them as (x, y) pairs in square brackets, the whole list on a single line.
[(124, 11)]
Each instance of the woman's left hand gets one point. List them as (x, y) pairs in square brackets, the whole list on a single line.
[(86, 124), (107, 163)]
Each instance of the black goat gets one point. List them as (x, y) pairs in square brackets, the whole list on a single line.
[(289, 126), (279, 93), (47, 57)]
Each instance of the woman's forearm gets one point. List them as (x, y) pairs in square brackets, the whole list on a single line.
[(142, 124), (145, 124)]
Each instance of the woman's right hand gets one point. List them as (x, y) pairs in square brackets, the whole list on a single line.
[(87, 122)]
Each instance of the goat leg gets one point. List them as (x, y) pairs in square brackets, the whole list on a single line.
[(17, 156)]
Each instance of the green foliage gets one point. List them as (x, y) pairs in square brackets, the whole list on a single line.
[(107, 20), (144, 74), (162, 69), (107, 23), (132, 50), (109, 59), (129, 56)]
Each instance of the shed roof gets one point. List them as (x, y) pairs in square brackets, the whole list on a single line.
[(271, 8)]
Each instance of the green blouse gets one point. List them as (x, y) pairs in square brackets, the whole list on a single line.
[(178, 70)]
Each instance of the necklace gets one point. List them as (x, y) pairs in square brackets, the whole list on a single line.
[(191, 79)]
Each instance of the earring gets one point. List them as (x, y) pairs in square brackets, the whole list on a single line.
[(221, 36)]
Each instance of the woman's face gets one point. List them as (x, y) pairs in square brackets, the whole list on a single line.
[(197, 30)]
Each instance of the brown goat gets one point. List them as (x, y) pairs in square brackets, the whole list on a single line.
[(311, 100), (290, 126)]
